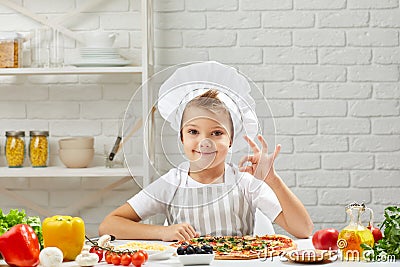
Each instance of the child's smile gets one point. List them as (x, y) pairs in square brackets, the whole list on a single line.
[(206, 156), (206, 153)]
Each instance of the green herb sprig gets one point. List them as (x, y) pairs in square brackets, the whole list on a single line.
[(389, 245)]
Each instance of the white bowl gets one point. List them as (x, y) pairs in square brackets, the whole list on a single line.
[(196, 259), (81, 142), (76, 158), (155, 255)]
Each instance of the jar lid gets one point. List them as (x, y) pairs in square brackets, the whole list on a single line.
[(39, 133), (15, 133)]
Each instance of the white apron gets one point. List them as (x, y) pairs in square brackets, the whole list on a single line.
[(215, 209)]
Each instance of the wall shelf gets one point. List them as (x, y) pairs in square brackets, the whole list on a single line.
[(59, 171), (123, 175), (71, 70)]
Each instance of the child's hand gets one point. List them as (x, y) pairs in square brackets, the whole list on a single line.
[(262, 164), (178, 232)]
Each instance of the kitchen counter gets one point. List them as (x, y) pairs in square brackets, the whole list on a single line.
[(276, 261)]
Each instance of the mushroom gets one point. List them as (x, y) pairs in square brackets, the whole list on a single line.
[(51, 257), (104, 241), (86, 259)]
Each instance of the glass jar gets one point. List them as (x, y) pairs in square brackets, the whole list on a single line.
[(10, 50), (39, 148), (15, 148), (39, 44)]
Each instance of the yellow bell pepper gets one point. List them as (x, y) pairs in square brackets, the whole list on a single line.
[(65, 232)]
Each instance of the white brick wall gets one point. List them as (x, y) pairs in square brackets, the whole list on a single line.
[(329, 69)]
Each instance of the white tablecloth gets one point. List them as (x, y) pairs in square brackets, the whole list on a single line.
[(276, 261)]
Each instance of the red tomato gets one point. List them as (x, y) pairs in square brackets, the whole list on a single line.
[(376, 232), (98, 251), (116, 259), (326, 239), (138, 258), (126, 259), (108, 256), (146, 255)]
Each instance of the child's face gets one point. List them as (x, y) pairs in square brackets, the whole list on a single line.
[(206, 138)]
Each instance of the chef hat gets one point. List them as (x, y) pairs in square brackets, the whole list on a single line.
[(193, 80)]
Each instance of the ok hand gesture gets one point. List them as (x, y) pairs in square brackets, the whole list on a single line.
[(262, 164)]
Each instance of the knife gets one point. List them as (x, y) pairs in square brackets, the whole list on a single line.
[(114, 150)]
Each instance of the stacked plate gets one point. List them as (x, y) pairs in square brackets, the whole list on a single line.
[(99, 57)]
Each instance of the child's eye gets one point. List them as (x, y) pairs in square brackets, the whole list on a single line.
[(192, 132), (217, 133)]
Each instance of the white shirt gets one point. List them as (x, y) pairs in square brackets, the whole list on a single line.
[(155, 198)]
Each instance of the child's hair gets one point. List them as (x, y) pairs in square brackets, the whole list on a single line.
[(210, 101)]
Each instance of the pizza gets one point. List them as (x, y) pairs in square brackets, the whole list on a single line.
[(242, 247)]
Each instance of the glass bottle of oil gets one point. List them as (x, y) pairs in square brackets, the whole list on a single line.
[(355, 234)]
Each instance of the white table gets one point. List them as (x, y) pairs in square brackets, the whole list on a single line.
[(276, 261)]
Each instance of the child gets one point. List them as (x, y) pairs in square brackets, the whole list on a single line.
[(206, 195)]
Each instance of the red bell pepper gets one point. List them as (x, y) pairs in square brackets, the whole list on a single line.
[(20, 246)]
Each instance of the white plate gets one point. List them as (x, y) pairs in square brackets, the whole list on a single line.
[(91, 57), (99, 54), (155, 255), (98, 50), (100, 63), (196, 259)]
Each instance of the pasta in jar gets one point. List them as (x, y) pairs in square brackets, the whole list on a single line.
[(15, 148), (10, 50), (39, 148)]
